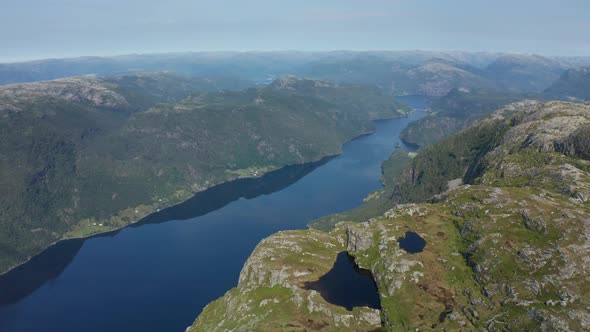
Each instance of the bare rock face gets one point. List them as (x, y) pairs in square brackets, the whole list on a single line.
[(405, 209), (534, 223), (536, 147), (551, 126), (78, 89), (360, 237), (271, 295)]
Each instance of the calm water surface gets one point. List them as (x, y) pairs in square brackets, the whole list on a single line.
[(346, 285), (412, 243), (159, 274)]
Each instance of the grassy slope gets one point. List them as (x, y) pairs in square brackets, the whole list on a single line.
[(83, 156)]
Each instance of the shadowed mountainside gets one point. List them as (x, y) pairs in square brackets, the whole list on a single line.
[(81, 156)]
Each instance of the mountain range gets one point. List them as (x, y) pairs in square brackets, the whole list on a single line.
[(395, 72)]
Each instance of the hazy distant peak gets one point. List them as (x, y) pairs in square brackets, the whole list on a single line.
[(574, 84), (80, 89), (436, 65), (291, 82), (525, 59)]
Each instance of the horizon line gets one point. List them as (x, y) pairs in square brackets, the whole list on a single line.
[(237, 51)]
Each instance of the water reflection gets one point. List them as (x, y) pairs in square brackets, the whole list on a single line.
[(412, 243), (346, 285), (25, 279), (219, 196)]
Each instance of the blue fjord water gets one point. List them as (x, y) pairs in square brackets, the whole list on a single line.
[(159, 274)]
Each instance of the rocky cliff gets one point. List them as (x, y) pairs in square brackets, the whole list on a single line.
[(508, 250)]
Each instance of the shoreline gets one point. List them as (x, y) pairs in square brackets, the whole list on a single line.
[(114, 230), (107, 232)]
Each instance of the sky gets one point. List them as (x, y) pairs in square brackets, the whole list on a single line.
[(35, 29)]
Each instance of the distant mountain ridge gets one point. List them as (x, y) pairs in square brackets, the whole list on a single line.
[(524, 73), (436, 76), (395, 72), (573, 85)]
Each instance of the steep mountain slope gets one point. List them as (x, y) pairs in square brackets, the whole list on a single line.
[(80, 156), (507, 251), (455, 111), (574, 85)]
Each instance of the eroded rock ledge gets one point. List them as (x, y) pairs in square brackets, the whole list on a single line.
[(483, 268)]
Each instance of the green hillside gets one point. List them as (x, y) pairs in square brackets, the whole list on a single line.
[(80, 156)]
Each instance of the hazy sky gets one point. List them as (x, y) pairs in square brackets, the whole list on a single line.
[(57, 28)]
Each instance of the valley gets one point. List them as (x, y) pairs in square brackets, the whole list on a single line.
[(256, 190), (157, 258), (100, 154)]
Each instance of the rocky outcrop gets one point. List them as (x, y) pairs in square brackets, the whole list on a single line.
[(544, 147), (509, 251), (549, 127), (359, 238), (94, 91), (271, 296)]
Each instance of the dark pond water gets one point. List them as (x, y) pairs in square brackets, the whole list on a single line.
[(347, 286), (412, 243), (158, 275)]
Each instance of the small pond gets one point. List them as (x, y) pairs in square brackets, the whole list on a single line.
[(412, 243), (346, 285)]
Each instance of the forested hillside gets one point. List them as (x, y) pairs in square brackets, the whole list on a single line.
[(79, 156)]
